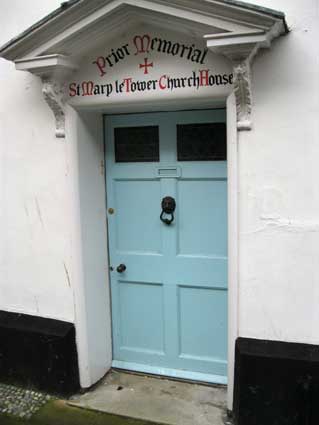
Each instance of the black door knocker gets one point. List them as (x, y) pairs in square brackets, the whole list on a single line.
[(168, 207)]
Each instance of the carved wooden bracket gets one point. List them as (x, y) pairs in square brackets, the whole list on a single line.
[(53, 70), (243, 93), (241, 56), (54, 95)]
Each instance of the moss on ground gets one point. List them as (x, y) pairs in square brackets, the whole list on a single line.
[(59, 413)]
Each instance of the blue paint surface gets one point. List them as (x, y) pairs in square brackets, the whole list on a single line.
[(169, 308)]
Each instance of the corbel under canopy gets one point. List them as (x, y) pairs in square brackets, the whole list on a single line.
[(231, 28)]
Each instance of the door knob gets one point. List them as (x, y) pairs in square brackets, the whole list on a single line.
[(121, 268)]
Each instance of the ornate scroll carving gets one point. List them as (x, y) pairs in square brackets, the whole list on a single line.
[(242, 89), (54, 94), (241, 56)]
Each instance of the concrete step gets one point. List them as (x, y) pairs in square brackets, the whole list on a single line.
[(156, 399)]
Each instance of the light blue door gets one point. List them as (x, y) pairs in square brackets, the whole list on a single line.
[(169, 295)]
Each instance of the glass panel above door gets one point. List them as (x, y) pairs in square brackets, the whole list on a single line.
[(201, 142), (136, 144)]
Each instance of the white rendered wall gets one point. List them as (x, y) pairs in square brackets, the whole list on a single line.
[(53, 220), (46, 269), (36, 245), (279, 196)]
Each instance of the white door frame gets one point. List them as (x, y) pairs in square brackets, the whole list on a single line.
[(233, 236), (90, 349)]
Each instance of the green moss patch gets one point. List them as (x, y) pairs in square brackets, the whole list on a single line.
[(59, 413)]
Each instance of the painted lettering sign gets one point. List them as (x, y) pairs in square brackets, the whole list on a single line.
[(147, 73), (143, 45)]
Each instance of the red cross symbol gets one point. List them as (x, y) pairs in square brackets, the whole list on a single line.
[(145, 65)]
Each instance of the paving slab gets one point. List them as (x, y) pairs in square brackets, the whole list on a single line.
[(154, 399)]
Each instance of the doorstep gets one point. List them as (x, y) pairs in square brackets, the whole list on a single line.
[(156, 399)]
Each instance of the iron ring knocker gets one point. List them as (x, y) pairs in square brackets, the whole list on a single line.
[(167, 220), (168, 207)]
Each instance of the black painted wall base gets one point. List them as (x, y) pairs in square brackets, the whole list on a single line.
[(276, 383), (39, 353)]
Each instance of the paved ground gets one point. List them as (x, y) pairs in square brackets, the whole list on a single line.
[(59, 413), (159, 400)]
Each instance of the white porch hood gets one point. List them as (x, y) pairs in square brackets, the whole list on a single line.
[(52, 48)]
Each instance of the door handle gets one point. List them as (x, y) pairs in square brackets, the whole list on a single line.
[(121, 268)]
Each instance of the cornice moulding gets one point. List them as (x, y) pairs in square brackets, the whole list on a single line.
[(216, 41), (79, 18), (46, 66)]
